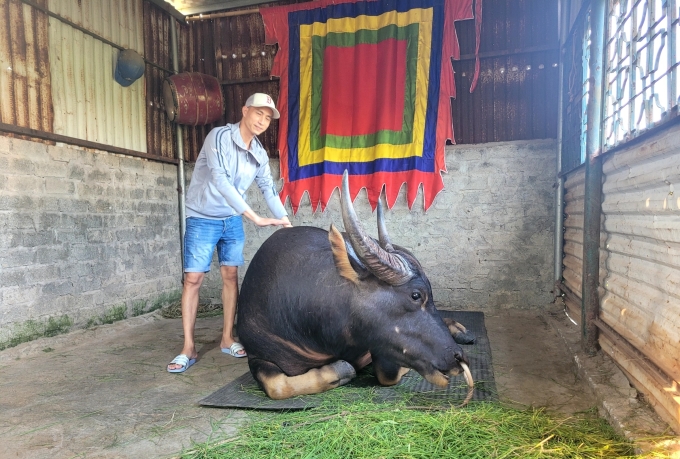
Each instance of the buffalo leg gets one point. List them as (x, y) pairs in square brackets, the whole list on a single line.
[(460, 334), (388, 373), (278, 386), (362, 361)]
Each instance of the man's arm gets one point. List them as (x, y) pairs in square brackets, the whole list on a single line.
[(265, 182), (262, 221)]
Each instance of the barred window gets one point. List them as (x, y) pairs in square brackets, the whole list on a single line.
[(576, 93), (585, 88), (641, 75)]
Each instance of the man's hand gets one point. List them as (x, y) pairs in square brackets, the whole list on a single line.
[(271, 222), (287, 223), (260, 221)]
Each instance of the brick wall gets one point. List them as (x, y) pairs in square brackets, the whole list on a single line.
[(83, 233), (487, 241)]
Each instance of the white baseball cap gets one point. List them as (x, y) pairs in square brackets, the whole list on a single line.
[(263, 100)]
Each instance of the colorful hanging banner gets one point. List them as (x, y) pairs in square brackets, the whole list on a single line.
[(365, 86)]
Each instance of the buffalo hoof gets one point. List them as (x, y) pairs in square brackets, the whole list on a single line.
[(344, 370), (466, 337)]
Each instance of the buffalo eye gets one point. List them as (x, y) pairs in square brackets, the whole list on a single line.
[(415, 295)]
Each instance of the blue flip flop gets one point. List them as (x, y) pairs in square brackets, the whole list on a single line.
[(234, 350), (183, 360)]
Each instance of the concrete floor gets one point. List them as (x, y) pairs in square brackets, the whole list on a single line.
[(104, 392)]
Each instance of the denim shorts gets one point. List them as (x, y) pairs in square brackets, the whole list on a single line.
[(203, 235)]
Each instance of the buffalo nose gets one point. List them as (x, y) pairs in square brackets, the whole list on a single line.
[(456, 351), (460, 357)]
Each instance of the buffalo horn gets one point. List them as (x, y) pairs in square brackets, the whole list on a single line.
[(470, 383), (388, 267), (383, 237)]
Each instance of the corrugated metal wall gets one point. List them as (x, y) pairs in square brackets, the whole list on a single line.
[(231, 49), (241, 55), (57, 60), (197, 54), (88, 103), (25, 91), (516, 98), (160, 135), (640, 269), (572, 272)]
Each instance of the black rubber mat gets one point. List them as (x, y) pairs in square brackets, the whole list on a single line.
[(243, 392)]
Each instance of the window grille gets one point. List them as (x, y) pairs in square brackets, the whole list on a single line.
[(576, 93), (641, 81)]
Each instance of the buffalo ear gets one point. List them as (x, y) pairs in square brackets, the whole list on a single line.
[(340, 256)]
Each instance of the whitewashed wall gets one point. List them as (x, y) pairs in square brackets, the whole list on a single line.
[(486, 242), (84, 233), (85, 237)]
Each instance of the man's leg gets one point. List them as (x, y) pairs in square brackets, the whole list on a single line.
[(230, 255), (229, 299), (192, 284)]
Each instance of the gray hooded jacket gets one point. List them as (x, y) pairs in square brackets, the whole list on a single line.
[(224, 171)]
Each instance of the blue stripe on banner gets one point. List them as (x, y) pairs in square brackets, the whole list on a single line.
[(361, 168), (293, 100), (369, 8)]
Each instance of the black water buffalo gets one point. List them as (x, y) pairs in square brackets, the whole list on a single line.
[(315, 306)]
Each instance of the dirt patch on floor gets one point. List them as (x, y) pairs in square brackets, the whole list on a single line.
[(532, 365)]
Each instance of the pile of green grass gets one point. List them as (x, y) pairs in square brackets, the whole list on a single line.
[(481, 430)]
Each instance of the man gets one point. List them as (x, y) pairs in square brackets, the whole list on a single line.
[(232, 158)]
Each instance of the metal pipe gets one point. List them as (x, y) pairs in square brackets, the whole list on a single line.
[(52, 137), (559, 192), (511, 52), (249, 80), (181, 181), (590, 306), (87, 32), (204, 17)]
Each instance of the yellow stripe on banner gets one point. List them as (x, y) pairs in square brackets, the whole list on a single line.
[(423, 16)]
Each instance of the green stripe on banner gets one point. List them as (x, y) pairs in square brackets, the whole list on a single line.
[(349, 39)]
